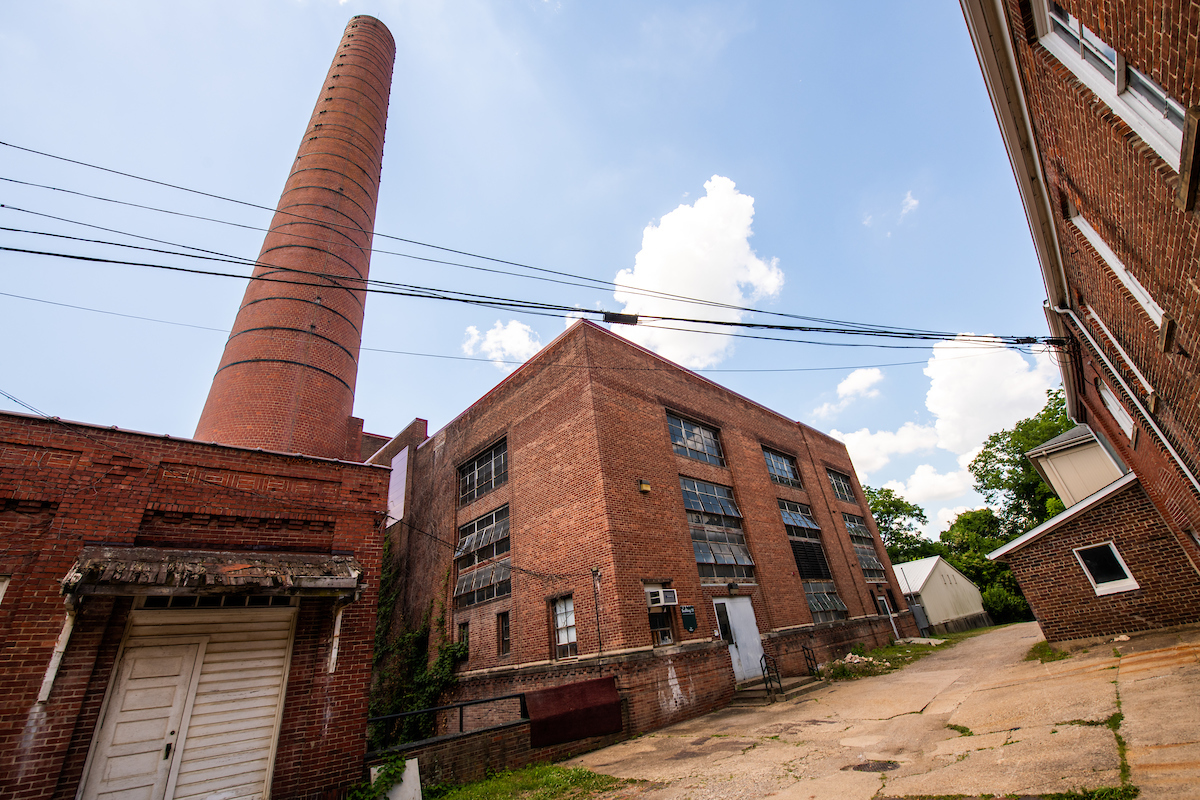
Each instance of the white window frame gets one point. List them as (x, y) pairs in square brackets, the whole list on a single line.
[(1165, 138), (4, 579), (1139, 292), (1113, 404), (566, 644), (1109, 587)]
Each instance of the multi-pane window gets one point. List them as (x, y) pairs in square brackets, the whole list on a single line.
[(804, 535), (823, 601), (864, 547), (503, 637), (660, 626), (843, 489), (482, 538), (782, 469), (563, 610), (484, 583), (483, 473), (716, 527), (1139, 101), (696, 441)]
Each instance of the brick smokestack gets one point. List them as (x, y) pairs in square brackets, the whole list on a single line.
[(286, 380)]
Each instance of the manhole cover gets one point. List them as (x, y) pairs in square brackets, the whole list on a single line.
[(875, 766)]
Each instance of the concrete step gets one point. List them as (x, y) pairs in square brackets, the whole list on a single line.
[(754, 693)]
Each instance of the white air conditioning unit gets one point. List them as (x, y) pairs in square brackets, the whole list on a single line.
[(661, 597)]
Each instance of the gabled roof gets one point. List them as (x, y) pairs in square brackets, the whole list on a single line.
[(914, 574), (1080, 434), (1066, 516)]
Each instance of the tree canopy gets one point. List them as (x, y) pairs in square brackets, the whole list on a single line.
[(1008, 480), (897, 520)]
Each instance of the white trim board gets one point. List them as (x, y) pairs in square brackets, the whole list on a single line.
[(1065, 517)]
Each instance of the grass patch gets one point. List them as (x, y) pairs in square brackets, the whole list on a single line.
[(962, 729), (1105, 793), (893, 657), (535, 782), (1042, 651)]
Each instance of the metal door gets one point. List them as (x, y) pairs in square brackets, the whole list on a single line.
[(739, 628)]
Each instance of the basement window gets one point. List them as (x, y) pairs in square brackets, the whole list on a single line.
[(1105, 569), (823, 601)]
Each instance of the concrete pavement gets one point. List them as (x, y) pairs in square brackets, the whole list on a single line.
[(1035, 728)]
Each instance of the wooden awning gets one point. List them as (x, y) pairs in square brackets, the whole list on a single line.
[(163, 571)]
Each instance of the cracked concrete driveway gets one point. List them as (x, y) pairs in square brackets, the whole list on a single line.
[(1035, 729)]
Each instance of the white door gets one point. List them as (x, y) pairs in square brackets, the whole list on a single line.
[(136, 745), (225, 742), (738, 626)]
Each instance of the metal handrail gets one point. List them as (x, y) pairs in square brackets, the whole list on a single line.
[(461, 706), (770, 671), (810, 661)]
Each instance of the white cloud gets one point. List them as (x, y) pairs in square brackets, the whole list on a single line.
[(702, 250), (857, 384), (909, 203), (977, 395), (872, 451), (927, 485), (867, 220), (515, 341)]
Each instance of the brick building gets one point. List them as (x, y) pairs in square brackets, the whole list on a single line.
[(604, 512), (185, 618), (1098, 105)]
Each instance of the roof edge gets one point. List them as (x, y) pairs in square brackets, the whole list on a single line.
[(1071, 513)]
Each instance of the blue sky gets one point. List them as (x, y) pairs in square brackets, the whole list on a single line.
[(832, 160)]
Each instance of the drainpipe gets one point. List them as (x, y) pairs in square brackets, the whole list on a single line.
[(596, 596), (60, 647)]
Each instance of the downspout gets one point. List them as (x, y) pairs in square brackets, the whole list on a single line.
[(60, 647)]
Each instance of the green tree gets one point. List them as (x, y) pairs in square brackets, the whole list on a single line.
[(897, 520), (1007, 478)]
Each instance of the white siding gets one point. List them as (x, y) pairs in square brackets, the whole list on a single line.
[(948, 595)]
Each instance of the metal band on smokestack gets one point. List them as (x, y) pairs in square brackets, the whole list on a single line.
[(286, 380)]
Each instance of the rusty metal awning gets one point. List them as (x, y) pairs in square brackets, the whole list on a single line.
[(163, 571)]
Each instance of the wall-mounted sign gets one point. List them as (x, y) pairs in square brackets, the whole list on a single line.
[(689, 617)]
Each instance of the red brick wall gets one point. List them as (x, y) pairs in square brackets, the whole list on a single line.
[(286, 379), (584, 422), (1063, 599), (64, 484), (1126, 191)]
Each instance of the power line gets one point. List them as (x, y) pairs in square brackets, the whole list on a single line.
[(600, 282), (485, 360)]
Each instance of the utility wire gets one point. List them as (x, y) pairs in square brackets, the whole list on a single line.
[(600, 282)]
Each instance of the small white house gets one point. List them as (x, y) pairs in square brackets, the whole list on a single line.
[(950, 601)]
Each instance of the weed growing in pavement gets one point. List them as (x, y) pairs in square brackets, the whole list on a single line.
[(1042, 651), (536, 782), (962, 729)]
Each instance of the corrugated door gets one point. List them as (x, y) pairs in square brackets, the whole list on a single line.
[(229, 744)]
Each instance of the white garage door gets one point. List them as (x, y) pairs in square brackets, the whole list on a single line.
[(219, 723)]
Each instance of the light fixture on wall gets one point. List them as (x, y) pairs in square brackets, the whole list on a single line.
[(733, 589), (643, 486)]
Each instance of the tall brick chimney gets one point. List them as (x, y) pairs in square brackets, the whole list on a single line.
[(286, 380)]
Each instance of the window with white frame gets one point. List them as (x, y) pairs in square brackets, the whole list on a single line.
[(1139, 293), (1138, 100), (563, 611), (696, 441), (1119, 414), (661, 619), (1105, 569)]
